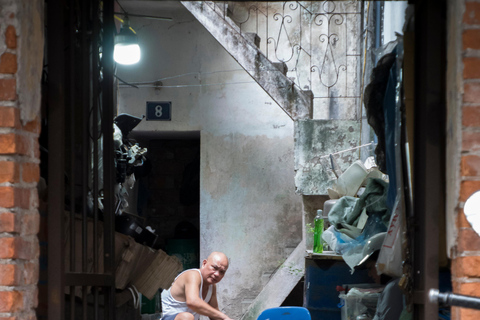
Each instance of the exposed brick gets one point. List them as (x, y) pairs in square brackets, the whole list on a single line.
[(471, 92), (9, 275), (11, 37), (8, 89), (466, 288), (471, 39), (30, 298), (467, 188), (12, 143), (31, 224), (7, 248), (466, 267), (35, 149), (471, 116), (33, 126), (9, 117), (8, 143), (11, 301), (469, 289), (470, 165), (471, 68), (9, 172), (470, 141), (462, 221), (7, 222), (468, 240), (8, 63), (11, 197), (7, 197), (30, 273), (464, 314), (19, 248), (472, 13), (34, 199), (30, 172)]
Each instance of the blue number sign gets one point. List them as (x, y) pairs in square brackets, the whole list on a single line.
[(159, 110)]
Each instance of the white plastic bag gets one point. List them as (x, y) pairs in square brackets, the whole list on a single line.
[(391, 257)]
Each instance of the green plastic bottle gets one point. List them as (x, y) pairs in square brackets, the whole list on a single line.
[(317, 234)]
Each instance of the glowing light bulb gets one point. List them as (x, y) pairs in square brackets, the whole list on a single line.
[(126, 53)]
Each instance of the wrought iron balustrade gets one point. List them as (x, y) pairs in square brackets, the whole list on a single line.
[(320, 42)]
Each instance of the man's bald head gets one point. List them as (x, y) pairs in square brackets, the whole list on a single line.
[(214, 267), (218, 257)]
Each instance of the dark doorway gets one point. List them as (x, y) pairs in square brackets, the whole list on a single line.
[(167, 194)]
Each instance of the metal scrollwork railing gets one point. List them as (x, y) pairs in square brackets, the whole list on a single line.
[(318, 41)]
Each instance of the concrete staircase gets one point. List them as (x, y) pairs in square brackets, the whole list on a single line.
[(271, 77), (280, 284)]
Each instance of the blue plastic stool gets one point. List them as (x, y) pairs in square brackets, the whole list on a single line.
[(285, 313)]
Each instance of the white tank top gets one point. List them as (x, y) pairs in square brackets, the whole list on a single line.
[(170, 306)]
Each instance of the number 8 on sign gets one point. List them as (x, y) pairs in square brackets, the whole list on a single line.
[(158, 111)]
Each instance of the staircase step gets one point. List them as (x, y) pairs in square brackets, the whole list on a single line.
[(253, 38), (280, 284)]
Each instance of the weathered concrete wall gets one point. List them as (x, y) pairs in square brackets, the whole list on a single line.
[(248, 205), (315, 141)]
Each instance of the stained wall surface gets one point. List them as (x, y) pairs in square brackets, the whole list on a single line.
[(248, 205)]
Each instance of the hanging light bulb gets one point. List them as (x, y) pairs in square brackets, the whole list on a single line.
[(126, 50)]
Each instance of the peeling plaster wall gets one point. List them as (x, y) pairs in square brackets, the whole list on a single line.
[(315, 141), (248, 205)]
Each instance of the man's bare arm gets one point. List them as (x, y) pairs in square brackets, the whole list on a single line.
[(213, 300), (192, 295)]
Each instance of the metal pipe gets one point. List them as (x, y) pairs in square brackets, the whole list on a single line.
[(452, 299)]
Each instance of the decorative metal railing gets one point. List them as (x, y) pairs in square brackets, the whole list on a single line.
[(320, 42)]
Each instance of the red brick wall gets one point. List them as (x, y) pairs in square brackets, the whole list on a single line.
[(466, 261), (19, 174)]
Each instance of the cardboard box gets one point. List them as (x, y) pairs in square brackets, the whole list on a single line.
[(159, 274)]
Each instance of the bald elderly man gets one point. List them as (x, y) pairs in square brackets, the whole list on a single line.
[(194, 292)]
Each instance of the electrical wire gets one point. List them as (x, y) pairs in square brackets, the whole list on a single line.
[(182, 85), (122, 21), (351, 149), (125, 82), (185, 74)]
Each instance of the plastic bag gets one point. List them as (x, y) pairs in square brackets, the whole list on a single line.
[(390, 259)]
